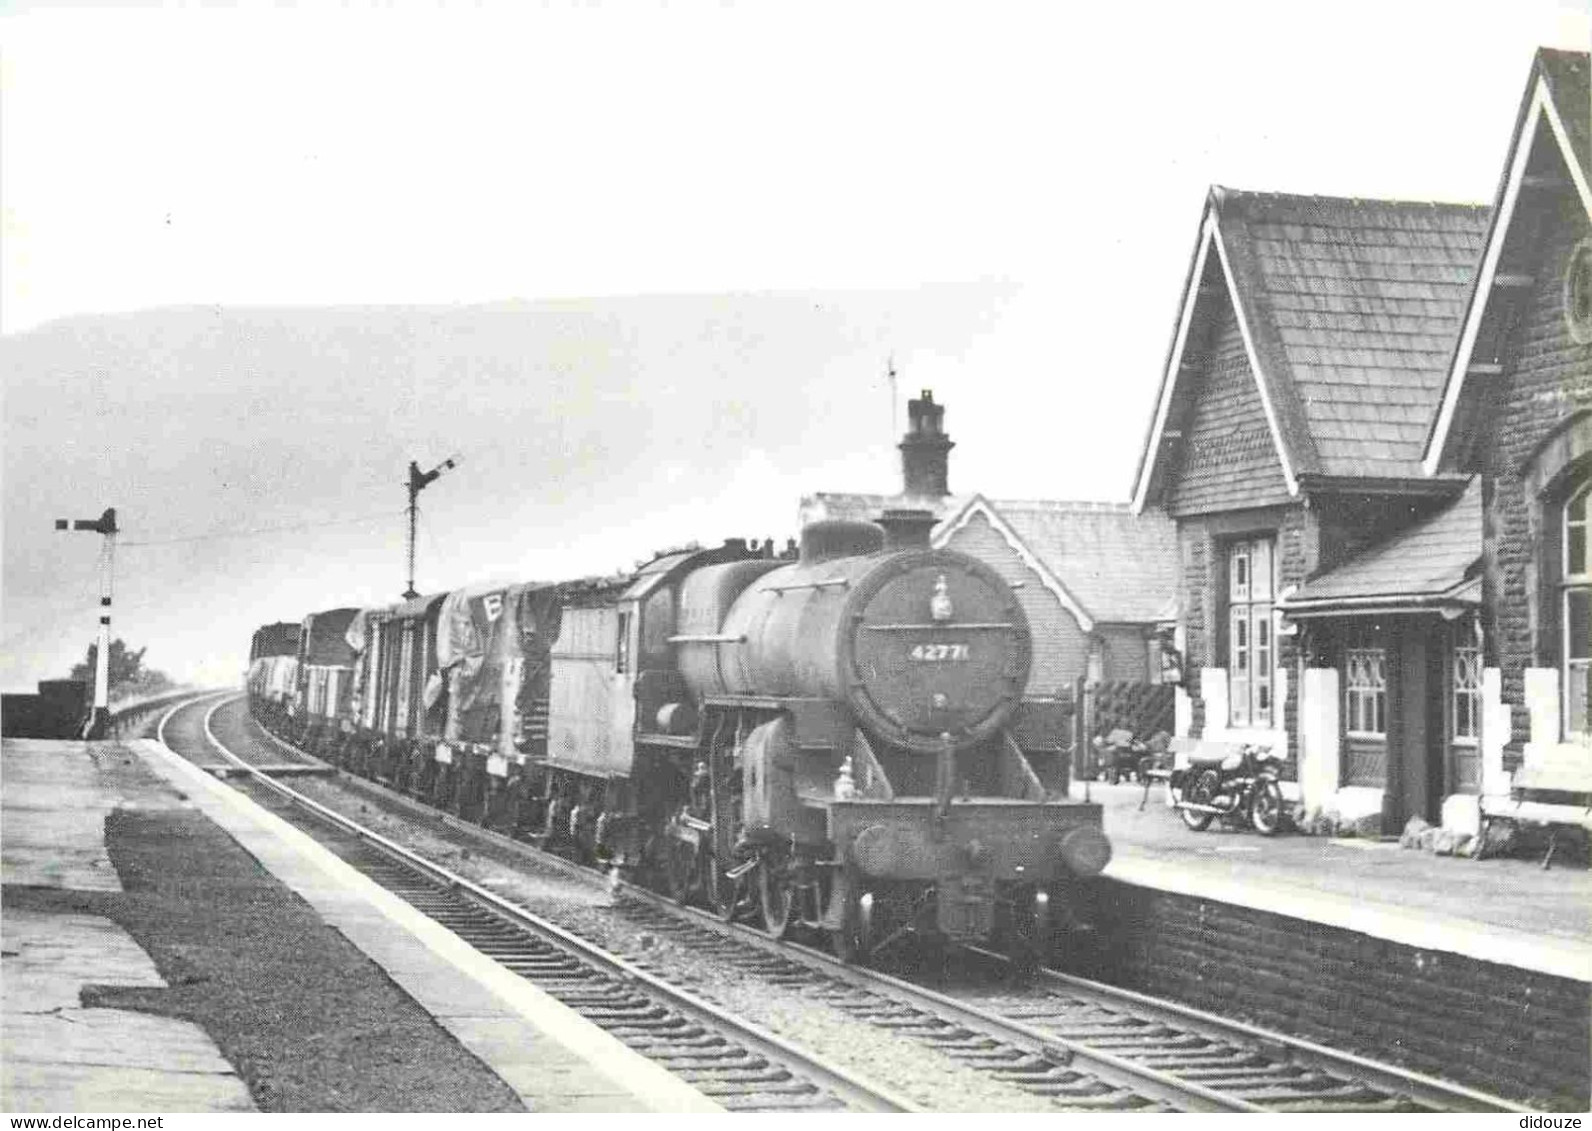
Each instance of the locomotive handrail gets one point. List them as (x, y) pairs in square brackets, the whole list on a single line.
[(938, 626), (843, 582), (708, 638)]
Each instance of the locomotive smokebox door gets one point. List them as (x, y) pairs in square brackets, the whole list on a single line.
[(937, 643)]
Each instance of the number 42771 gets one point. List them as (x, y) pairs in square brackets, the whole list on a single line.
[(939, 653)]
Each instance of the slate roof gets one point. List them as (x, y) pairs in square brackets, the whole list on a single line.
[(1354, 306), (1120, 567), (1565, 74), (1431, 563)]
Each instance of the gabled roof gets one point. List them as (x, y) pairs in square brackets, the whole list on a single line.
[(1102, 561), (1105, 563), (1348, 311), (1556, 100), (1431, 565)]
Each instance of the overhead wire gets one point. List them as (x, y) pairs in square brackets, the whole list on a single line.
[(287, 528)]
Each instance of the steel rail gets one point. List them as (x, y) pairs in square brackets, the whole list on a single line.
[(1425, 1090), (1121, 1071), (853, 1090)]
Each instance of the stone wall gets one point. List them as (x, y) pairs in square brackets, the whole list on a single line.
[(1497, 1028)]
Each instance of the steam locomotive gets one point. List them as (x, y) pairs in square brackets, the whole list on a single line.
[(831, 740)]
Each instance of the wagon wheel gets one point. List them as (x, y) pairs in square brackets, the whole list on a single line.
[(774, 896)]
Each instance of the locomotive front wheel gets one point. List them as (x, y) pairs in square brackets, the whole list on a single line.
[(1202, 792), (1029, 937), (853, 942), (774, 895), (1265, 810)]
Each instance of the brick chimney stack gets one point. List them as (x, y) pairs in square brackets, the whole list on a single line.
[(925, 449)]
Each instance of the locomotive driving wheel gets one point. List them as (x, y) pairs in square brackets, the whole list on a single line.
[(679, 869), (719, 891), (774, 895)]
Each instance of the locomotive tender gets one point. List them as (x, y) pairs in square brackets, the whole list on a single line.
[(834, 739)]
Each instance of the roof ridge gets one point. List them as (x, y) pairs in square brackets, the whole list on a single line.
[(1082, 506), (1227, 191)]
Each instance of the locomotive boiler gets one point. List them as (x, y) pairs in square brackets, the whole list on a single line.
[(862, 704)]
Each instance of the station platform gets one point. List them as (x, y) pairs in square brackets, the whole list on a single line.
[(1507, 911), (164, 941)]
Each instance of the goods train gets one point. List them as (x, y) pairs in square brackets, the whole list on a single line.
[(831, 739)]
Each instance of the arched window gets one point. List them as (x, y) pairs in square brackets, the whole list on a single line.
[(1575, 584)]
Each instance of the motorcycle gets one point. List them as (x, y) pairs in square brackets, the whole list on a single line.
[(1240, 788)]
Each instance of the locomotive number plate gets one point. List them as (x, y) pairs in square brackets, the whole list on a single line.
[(939, 653)]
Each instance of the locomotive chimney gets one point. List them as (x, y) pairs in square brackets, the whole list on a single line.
[(925, 449), (907, 529)]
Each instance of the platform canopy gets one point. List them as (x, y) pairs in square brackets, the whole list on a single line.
[(1434, 566)]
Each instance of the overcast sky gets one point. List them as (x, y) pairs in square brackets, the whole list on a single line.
[(1002, 196)]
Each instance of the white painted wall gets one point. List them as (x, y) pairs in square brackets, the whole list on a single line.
[(1320, 751), (1542, 702), (1214, 691), (1496, 725)]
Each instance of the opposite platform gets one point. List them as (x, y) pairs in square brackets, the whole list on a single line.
[(1505, 911)]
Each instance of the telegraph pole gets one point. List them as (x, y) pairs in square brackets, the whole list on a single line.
[(418, 482), (105, 525)]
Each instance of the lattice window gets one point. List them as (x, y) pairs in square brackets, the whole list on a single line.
[(1467, 694), (1251, 650), (1365, 691), (1576, 610)]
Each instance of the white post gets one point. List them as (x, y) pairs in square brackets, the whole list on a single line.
[(1213, 690), (1320, 757), (102, 663), (1496, 724), (1542, 701)]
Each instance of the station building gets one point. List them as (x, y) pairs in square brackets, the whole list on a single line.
[(1098, 583), (1374, 436)]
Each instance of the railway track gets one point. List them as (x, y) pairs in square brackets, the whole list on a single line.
[(1070, 1043), (737, 1064)]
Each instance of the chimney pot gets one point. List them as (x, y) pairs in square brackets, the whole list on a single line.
[(925, 449)]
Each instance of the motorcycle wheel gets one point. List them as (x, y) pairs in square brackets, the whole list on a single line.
[(1202, 792), (1265, 809)]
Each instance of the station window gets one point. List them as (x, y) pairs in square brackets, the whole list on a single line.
[(1467, 694), (1576, 609), (1365, 688), (1251, 651)]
